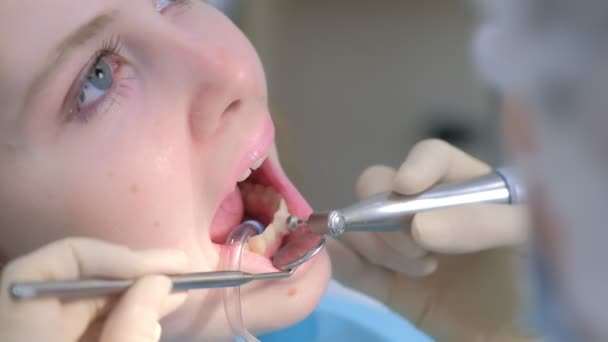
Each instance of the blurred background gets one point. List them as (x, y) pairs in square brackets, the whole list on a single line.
[(354, 83)]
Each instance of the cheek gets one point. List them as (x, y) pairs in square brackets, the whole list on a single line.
[(546, 223), (128, 203), (135, 188), (517, 126), (292, 300)]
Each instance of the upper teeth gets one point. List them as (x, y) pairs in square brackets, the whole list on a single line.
[(255, 166), (245, 175), (258, 163)]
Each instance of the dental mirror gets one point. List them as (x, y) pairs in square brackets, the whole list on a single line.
[(298, 251)]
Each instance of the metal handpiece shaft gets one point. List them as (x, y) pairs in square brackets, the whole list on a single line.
[(391, 211), (204, 280)]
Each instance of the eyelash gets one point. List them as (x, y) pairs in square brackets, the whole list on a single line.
[(183, 2), (178, 3), (109, 49)]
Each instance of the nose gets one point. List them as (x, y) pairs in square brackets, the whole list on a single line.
[(217, 80)]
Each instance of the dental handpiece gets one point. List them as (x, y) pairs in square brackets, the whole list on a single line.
[(390, 211)]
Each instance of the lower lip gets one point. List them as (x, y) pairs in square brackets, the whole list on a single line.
[(255, 263)]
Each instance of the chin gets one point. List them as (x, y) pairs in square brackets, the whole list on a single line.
[(266, 306), (277, 305)]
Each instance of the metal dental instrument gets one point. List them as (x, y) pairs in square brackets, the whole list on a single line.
[(391, 211), (183, 282), (298, 251)]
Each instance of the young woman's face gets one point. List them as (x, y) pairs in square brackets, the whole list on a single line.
[(133, 125)]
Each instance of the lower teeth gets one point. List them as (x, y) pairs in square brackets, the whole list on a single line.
[(275, 230)]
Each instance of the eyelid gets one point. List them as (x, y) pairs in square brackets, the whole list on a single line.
[(116, 65), (79, 83), (111, 47), (162, 5), (120, 88)]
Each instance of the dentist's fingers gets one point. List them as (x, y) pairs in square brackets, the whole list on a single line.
[(471, 228), (348, 267), (377, 252), (137, 314), (78, 258), (374, 180), (377, 179), (403, 243), (403, 294), (433, 161), (81, 257)]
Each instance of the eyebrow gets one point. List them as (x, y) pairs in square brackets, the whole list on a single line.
[(74, 40)]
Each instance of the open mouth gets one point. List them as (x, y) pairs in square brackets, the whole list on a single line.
[(262, 193)]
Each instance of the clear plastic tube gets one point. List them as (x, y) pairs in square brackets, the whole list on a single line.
[(230, 261)]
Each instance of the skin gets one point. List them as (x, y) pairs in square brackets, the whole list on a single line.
[(148, 168)]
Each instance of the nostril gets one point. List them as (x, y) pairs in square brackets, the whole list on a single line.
[(233, 106)]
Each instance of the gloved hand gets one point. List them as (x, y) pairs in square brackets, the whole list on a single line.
[(454, 274), (133, 316)]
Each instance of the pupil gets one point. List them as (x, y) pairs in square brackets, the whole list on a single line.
[(101, 76)]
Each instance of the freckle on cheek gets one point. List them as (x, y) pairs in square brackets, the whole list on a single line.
[(134, 188), (156, 224), (292, 292)]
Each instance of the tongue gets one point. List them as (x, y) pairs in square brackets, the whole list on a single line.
[(227, 217)]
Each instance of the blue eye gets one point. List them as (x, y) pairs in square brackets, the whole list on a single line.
[(97, 83)]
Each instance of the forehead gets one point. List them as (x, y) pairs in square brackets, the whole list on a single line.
[(29, 30), (41, 23)]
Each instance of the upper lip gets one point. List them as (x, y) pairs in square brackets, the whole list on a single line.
[(257, 149), (253, 160)]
